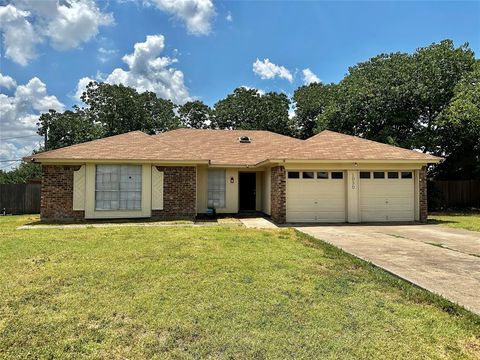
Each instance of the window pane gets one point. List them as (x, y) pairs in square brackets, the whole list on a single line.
[(216, 188), (293, 175), (393, 175), (308, 175), (337, 175), (322, 175), (406, 174), (378, 175), (118, 187), (364, 174)]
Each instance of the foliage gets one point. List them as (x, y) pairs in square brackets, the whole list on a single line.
[(21, 174), (195, 114), (121, 109), (458, 130), (248, 109), (211, 292)]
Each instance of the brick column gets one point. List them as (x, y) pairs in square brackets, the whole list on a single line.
[(179, 193), (57, 193), (278, 195), (422, 186)]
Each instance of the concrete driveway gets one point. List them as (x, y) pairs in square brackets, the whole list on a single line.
[(442, 260)]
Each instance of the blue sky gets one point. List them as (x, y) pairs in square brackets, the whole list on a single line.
[(200, 50)]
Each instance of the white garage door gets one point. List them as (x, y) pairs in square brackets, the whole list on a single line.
[(315, 196), (387, 196)]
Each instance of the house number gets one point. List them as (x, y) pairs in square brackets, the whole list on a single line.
[(353, 181)]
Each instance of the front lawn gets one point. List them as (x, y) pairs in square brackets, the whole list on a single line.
[(469, 221), (211, 292)]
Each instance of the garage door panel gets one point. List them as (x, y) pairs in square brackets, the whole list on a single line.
[(387, 200), (316, 200)]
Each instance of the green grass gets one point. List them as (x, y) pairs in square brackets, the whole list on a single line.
[(469, 221), (211, 292)]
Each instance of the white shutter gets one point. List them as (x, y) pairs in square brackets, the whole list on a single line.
[(79, 189), (157, 189)]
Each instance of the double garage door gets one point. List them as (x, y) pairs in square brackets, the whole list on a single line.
[(321, 196)]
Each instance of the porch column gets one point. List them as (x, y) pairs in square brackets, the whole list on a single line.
[(278, 195)]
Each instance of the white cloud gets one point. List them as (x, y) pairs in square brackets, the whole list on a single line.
[(196, 14), (65, 24), (105, 55), (19, 115), (268, 70), (148, 71), (7, 82), (309, 77), (229, 17)]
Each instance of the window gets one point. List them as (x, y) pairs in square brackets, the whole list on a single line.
[(378, 175), (392, 175), (118, 187), (293, 175), (308, 175), (322, 175), (216, 188), (364, 174), (337, 175), (406, 174)]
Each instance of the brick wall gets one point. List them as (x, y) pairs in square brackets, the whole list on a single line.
[(423, 194), (179, 193), (57, 193), (278, 195)]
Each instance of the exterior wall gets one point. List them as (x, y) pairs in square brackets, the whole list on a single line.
[(258, 191), (179, 193), (353, 196), (278, 194), (266, 187), (423, 194), (57, 193)]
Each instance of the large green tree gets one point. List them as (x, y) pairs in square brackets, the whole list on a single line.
[(458, 130), (195, 114), (248, 109), (121, 109), (21, 174)]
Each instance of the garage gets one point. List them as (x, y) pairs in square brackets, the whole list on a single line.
[(387, 196), (316, 196)]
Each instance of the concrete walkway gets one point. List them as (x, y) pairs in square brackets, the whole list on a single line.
[(258, 223), (442, 260)]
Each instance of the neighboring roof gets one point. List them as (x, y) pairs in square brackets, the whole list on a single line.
[(222, 147)]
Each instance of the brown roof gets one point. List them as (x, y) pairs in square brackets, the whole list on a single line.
[(222, 147), (330, 145)]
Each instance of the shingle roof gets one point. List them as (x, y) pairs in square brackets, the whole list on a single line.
[(222, 147), (330, 145)]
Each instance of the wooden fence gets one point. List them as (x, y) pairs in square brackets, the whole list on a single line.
[(20, 198), (454, 193)]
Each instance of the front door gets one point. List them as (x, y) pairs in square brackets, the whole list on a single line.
[(247, 191)]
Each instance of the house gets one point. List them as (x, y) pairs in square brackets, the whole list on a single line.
[(329, 177)]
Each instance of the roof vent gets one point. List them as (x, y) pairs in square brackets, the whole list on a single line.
[(245, 139)]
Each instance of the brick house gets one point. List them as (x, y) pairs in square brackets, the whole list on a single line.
[(179, 174)]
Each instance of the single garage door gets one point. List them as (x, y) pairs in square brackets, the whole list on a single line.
[(315, 196), (387, 196)]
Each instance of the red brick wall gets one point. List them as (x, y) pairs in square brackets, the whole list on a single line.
[(179, 193), (423, 194), (57, 193), (278, 195)]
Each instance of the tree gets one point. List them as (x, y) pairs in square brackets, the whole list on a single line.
[(458, 130), (67, 128), (195, 114), (121, 109), (395, 98), (310, 102), (248, 109), (21, 174)]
